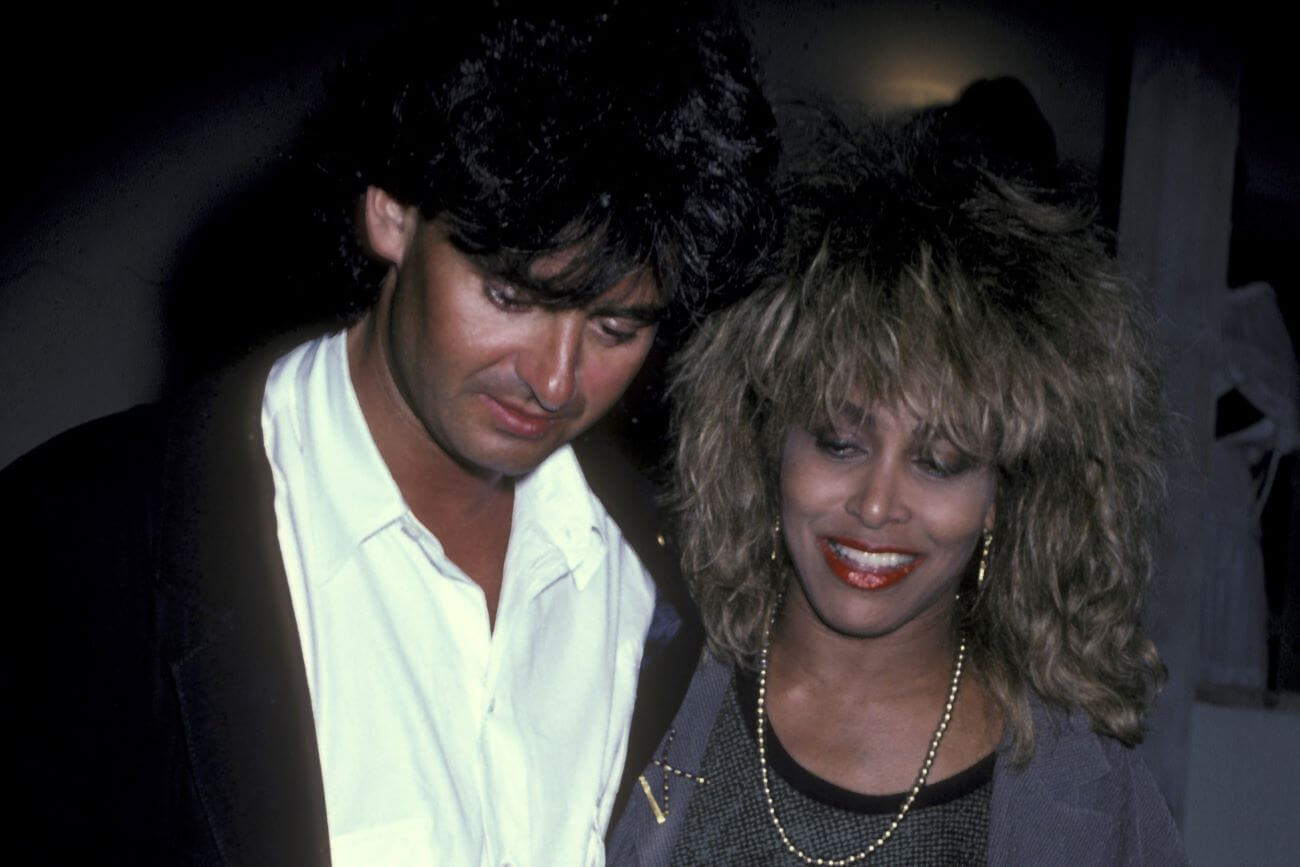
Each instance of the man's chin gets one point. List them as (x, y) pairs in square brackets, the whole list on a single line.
[(517, 459)]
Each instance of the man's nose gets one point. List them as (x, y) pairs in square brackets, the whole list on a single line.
[(551, 364), (878, 496)]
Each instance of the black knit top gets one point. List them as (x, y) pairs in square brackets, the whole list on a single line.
[(728, 824)]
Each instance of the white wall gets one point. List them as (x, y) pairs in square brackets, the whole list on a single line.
[(1243, 803)]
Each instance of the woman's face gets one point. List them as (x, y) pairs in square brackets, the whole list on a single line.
[(879, 522)]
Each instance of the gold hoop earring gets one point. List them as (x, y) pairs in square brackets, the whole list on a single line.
[(776, 538), (984, 558)]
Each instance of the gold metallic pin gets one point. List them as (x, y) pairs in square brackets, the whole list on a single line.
[(660, 818)]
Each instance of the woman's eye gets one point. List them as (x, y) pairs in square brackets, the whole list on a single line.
[(837, 446), (942, 467)]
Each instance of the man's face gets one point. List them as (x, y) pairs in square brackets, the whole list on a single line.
[(496, 382)]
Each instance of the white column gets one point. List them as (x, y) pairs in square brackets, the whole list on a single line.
[(1174, 226)]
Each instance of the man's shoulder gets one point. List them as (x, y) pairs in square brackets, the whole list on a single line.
[(101, 461), (630, 498), (101, 455), (634, 503)]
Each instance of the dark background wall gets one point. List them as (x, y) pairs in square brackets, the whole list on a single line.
[(144, 155), (148, 228)]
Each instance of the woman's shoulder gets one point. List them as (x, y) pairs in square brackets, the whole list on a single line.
[(689, 732), (1069, 754), (1080, 792)]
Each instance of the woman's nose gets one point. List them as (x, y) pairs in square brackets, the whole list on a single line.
[(878, 498)]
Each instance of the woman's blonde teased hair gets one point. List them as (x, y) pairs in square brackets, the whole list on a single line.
[(993, 311)]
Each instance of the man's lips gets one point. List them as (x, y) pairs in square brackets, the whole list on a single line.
[(518, 422), (867, 568)]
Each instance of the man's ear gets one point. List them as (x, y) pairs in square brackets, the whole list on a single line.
[(389, 225)]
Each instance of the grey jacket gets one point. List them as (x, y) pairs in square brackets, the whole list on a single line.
[(1082, 799)]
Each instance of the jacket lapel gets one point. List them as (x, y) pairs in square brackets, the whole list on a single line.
[(1042, 814), (232, 638)]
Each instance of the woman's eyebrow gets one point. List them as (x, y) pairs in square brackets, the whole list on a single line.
[(850, 413)]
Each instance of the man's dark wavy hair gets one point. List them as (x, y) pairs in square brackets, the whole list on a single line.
[(636, 137)]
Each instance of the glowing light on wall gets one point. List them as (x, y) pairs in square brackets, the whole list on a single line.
[(911, 92)]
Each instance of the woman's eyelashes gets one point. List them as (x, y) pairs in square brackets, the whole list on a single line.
[(835, 445), (935, 461), (940, 468)]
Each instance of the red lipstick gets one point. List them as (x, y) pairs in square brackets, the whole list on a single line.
[(895, 563)]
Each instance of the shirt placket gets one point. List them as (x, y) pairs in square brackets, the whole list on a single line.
[(511, 762)]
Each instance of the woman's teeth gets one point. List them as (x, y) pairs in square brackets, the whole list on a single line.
[(868, 560)]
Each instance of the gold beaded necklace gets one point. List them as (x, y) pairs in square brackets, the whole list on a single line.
[(760, 719)]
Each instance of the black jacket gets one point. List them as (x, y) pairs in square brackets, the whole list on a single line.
[(156, 704)]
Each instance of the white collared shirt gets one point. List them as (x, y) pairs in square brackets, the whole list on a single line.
[(443, 740)]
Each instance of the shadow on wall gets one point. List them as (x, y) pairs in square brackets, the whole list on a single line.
[(137, 236), (244, 279)]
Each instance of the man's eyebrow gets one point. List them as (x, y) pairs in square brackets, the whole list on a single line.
[(647, 314)]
